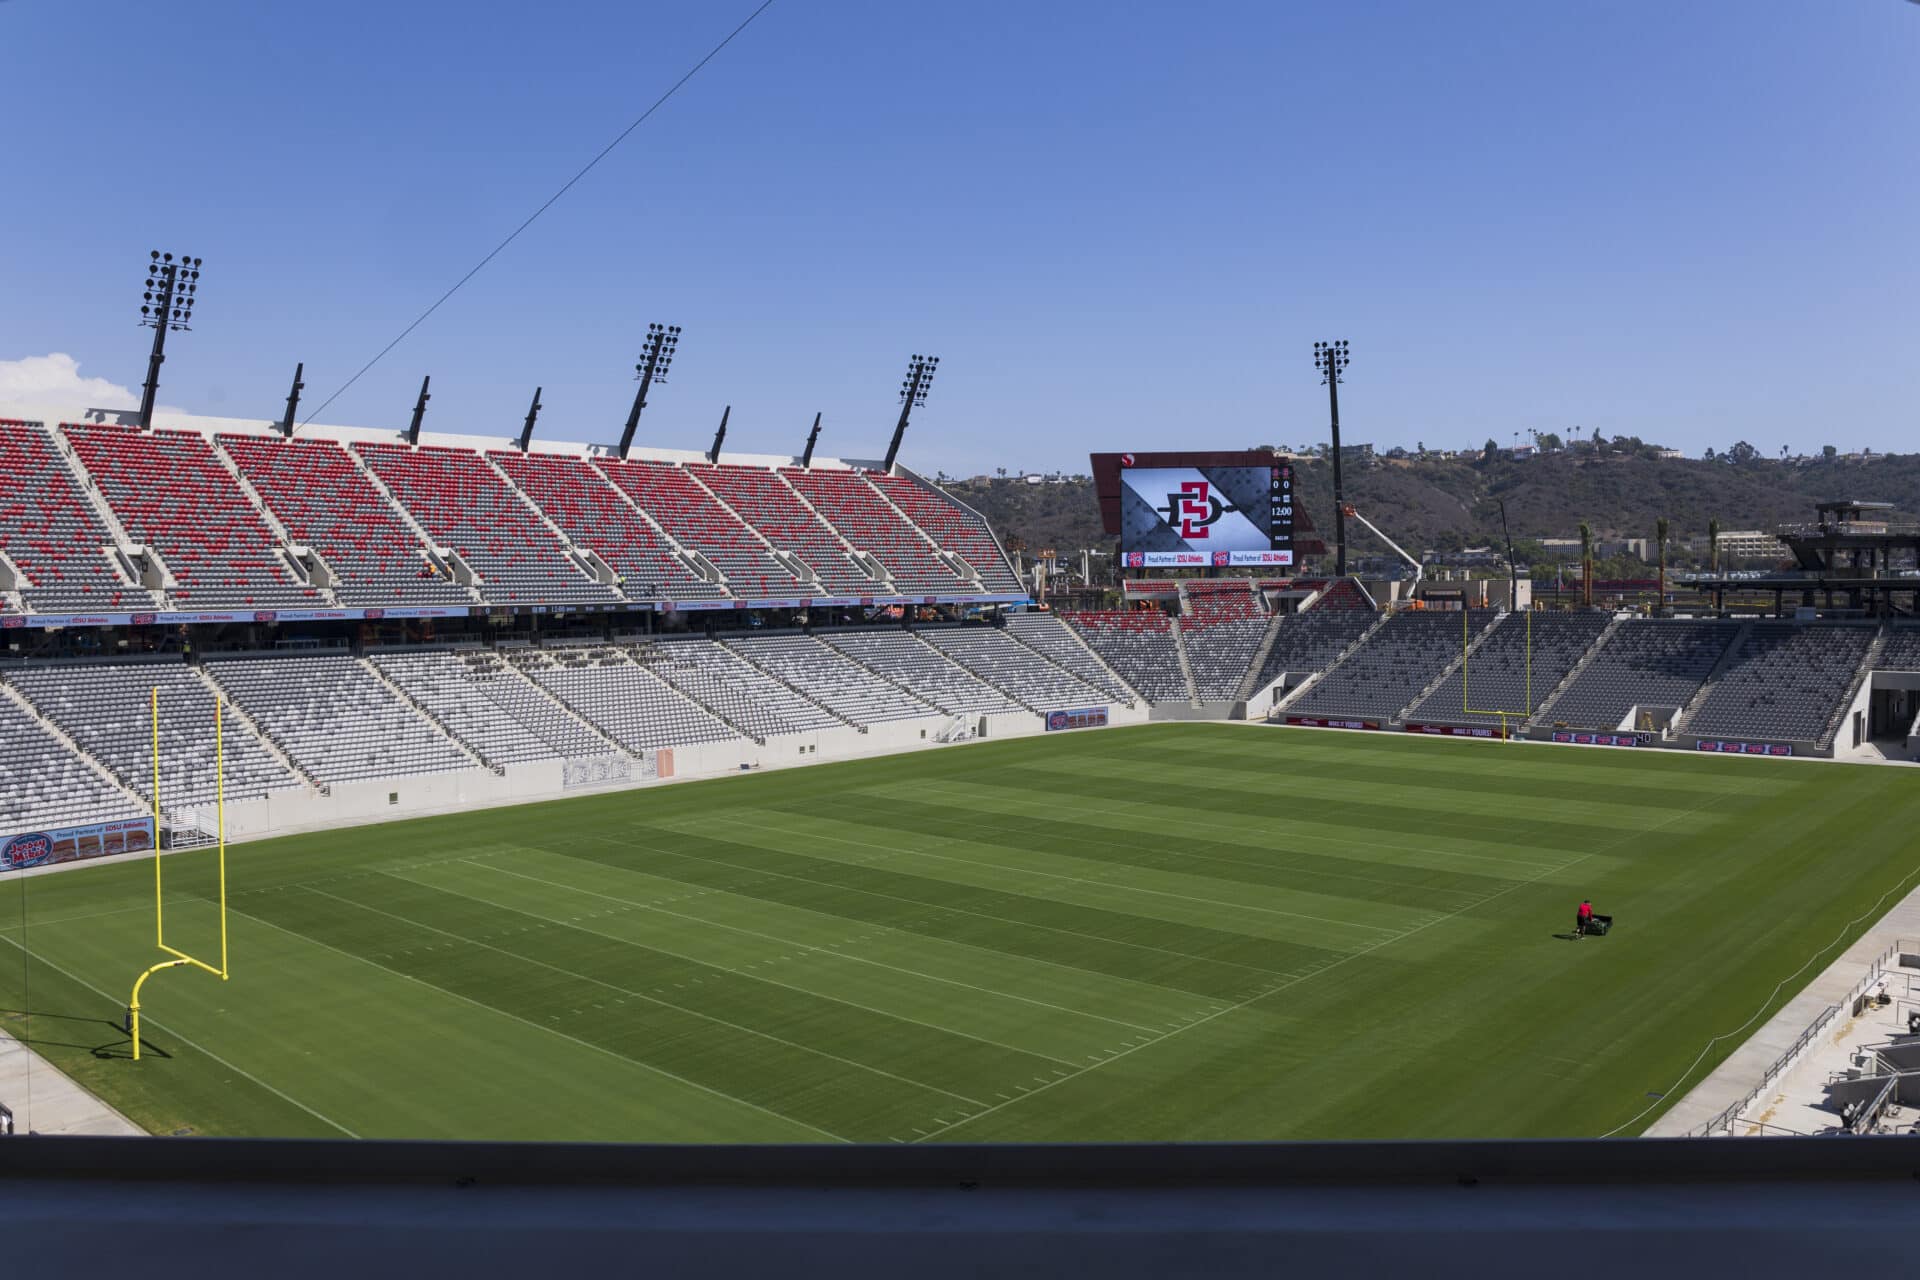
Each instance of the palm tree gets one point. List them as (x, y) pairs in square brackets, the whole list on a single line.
[(1713, 543), (1660, 536), (1586, 564)]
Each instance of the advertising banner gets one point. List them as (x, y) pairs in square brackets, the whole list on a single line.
[(1744, 748), (1078, 718), (72, 844), (1585, 739), (1321, 722), (1456, 730)]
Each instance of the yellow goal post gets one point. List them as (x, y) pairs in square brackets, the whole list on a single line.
[(179, 957)]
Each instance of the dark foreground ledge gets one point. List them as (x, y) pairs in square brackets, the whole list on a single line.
[(1696, 1207)]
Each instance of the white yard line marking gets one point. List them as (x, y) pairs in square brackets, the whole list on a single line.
[(1054, 875), (194, 1045), (757, 977), (668, 1004), (553, 1031)]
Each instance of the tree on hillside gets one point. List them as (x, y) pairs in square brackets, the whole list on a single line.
[(1713, 542), (1742, 453), (1586, 562), (1660, 536), (1489, 451), (1828, 452), (1550, 441)]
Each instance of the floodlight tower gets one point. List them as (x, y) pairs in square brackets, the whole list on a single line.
[(656, 354), (171, 286), (1330, 358), (913, 392)]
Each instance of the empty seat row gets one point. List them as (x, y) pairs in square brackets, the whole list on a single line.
[(686, 509), (825, 675), (953, 527), (43, 785), (734, 688), (334, 719), (1013, 668), (1514, 669), (1221, 649), (1305, 643), (107, 708), (1783, 680), (1048, 636), (623, 700), (1379, 678), (477, 698), (596, 515), (769, 504), (867, 520), (51, 532), (1140, 646), (922, 670), (468, 506), (327, 503), (170, 491), (1652, 662)]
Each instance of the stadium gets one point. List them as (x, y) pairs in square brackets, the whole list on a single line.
[(446, 832), (757, 793)]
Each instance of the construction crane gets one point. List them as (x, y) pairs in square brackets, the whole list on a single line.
[(1419, 570)]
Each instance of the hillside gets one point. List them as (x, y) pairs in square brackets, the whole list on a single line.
[(1447, 504)]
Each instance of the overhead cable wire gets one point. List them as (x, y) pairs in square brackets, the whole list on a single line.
[(550, 201)]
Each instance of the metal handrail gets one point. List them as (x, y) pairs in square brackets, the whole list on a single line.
[(1725, 1119)]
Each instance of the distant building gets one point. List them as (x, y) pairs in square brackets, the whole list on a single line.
[(1750, 544)]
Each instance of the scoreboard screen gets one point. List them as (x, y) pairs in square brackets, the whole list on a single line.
[(1205, 517)]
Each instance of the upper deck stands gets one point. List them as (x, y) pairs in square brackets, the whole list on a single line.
[(770, 505), (52, 533), (696, 519), (864, 519), (466, 505), (170, 491), (952, 526), (595, 515), (319, 495)]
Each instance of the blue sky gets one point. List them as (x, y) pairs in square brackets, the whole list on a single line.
[(1121, 226)]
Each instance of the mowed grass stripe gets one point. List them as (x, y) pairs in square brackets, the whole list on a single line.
[(1043, 899), (647, 1034), (798, 1036), (787, 966), (1043, 931), (1459, 813), (1227, 865), (1097, 998), (1554, 774), (1038, 871), (1481, 852)]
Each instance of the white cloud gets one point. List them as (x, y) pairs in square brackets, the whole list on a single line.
[(49, 388), (55, 380)]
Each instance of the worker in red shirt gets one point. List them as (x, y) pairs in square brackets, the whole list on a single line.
[(1582, 918)]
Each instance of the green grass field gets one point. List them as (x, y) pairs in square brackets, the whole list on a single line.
[(1194, 932)]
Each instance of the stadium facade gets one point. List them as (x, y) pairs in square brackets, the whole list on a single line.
[(405, 626)]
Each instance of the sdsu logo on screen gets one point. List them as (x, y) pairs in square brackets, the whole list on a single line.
[(1195, 509)]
